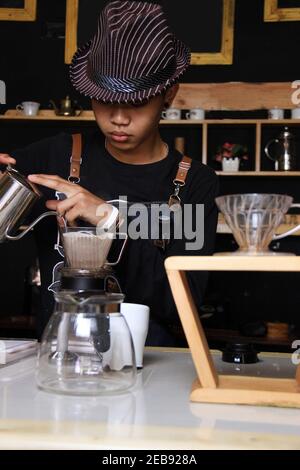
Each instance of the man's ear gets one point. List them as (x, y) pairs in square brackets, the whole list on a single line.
[(170, 94)]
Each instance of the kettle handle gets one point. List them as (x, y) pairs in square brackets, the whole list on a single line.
[(123, 234), (291, 231), (21, 235), (267, 149)]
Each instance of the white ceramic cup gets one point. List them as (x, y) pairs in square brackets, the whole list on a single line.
[(29, 108), (295, 114), (172, 113), (137, 318), (195, 113), (276, 113)]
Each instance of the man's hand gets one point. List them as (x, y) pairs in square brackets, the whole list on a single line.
[(80, 203), (6, 159)]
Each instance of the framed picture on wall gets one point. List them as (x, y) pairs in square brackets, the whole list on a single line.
[(18, 10), (207, 28), (282, 10)]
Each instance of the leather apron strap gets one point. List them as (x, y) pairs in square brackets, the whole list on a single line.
[(174, 200), (179, 181), (76, 159), (183, 169)]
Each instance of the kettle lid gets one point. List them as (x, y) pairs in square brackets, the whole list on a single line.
[(286, 134)]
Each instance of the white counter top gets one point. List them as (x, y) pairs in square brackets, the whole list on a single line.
[(156, 414)]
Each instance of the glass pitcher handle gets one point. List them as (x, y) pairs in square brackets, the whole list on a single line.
[(292, 230), (125, 236), (21, 235), (267, 149)]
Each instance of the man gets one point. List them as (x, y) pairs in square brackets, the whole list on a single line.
[(130, 70)]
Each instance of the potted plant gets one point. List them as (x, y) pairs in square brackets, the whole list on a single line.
[(230, 156)]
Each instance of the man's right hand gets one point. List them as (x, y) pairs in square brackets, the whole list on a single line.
[(6, 159)]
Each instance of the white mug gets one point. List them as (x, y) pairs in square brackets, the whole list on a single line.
[(171, 113), (29, 108), (195, 113), (137, 319), (276, 113), (295, 113)]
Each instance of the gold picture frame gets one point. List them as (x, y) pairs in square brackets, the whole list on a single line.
[(274, 13), (71, 29), (28, 13), (224, 56)]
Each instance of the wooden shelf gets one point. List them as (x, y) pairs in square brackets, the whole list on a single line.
[(88, 115), (47, 115), (258, 173), (253, 121), (204, 126), (230, 121)]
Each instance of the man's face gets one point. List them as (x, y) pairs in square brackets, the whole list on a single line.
[(128, 126)]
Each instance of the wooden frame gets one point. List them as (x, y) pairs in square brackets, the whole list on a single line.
[(210, 387), (71, 29), (274, 13), (28, 13), (225, 56)]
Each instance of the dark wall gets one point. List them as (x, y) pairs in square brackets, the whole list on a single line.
[(32, 53), (32, 56), (32, 65)]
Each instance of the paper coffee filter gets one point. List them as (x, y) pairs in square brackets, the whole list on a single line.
[(86, 250)]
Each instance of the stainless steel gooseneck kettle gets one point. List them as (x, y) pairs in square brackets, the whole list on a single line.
[(17, 197)]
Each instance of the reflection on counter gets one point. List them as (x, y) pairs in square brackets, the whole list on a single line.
[(156, 413)]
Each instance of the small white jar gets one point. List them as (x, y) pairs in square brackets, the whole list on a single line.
[(231, 164)]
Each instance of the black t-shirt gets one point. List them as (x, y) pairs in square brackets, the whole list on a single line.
[(141, 270)]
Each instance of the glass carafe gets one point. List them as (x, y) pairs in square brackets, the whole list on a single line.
[(86, 348)]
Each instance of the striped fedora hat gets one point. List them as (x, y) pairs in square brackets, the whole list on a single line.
[(133, 56)]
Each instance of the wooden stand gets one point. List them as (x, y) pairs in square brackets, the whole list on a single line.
[(209, 386), (278, 331)]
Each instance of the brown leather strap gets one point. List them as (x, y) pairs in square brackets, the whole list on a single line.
[(183, 170), (179, 181), (76, 159)]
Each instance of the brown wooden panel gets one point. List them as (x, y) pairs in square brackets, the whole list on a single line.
[(235, 96)]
